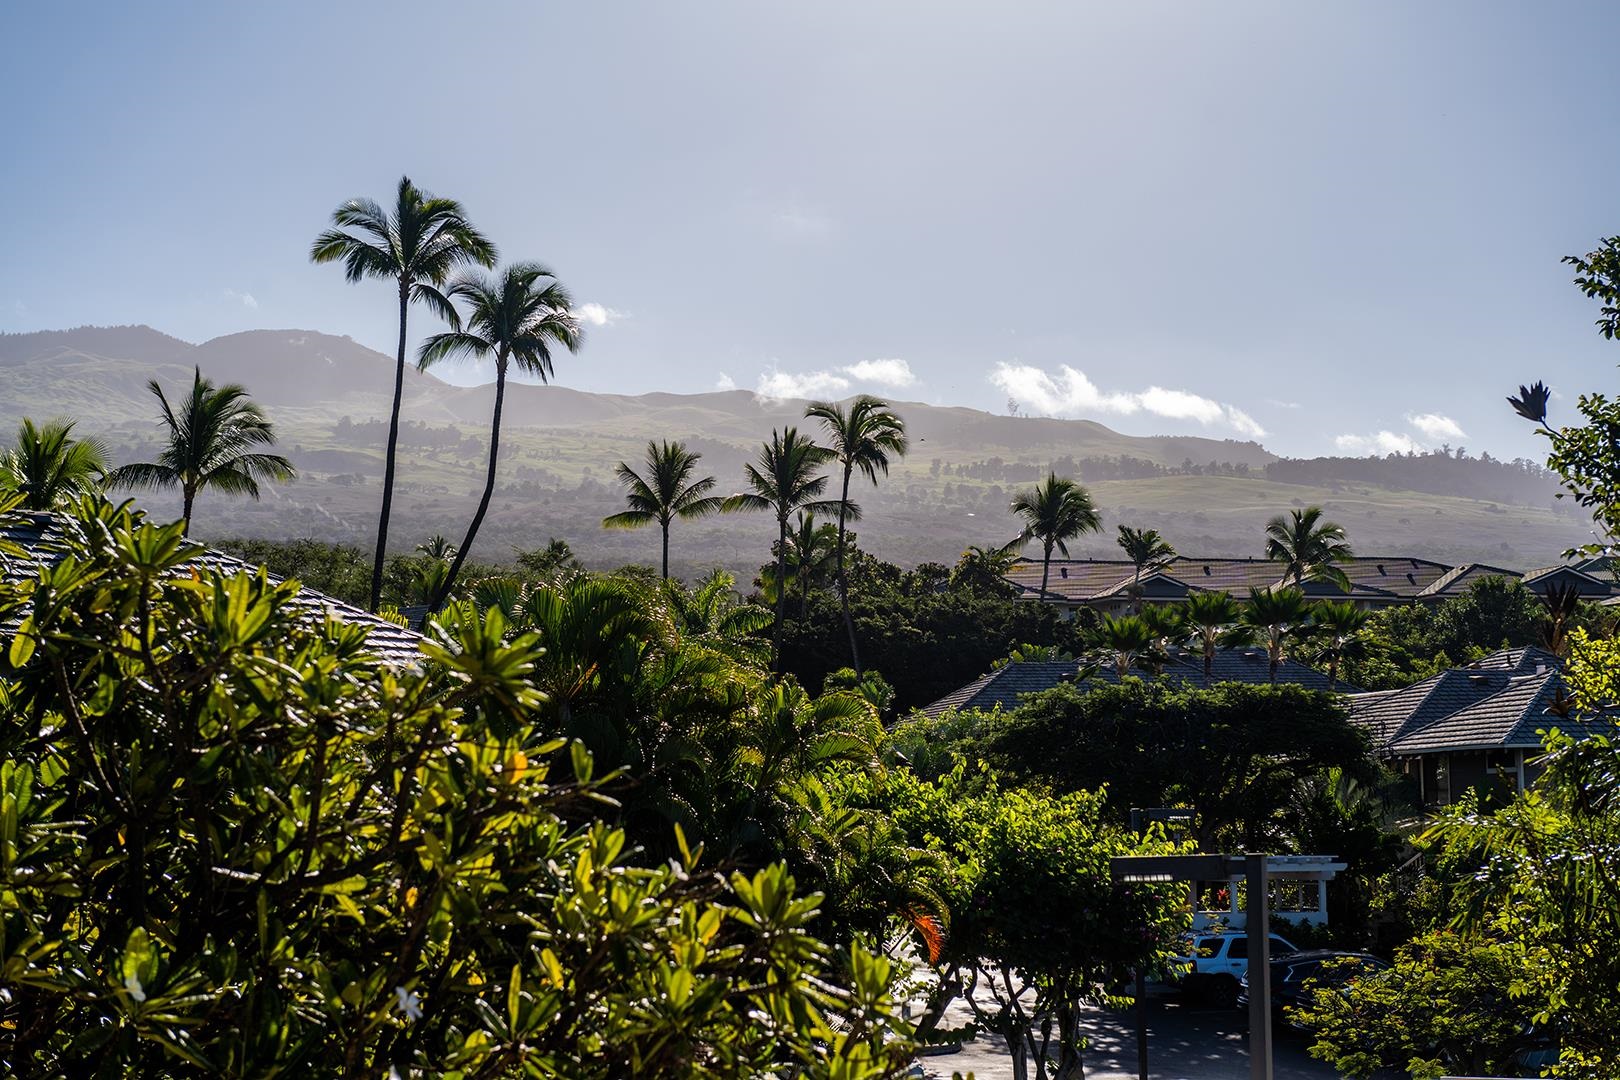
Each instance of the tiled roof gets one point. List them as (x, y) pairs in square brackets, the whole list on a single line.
[(1081, 579), (1499, 700), (1513, 717), (1458, 578), (1372, 578), (38, 536), (1007, 685)]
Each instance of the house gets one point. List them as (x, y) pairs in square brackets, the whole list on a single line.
[(1375, 581), (39, 537), (1004, 687), (1478, 726)]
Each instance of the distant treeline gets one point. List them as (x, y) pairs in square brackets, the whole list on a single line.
[(411, 433), (1436, 472), (1439, 472), (1092, 469)]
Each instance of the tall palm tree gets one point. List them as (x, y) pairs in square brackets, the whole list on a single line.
[(864, 437), (1278, 617), (811, 546), (417, 246), (1338, 625), (1055, 511), (1213, 620), (47, 466), (1308, 547), (785, 479), (516, 317), (1127, 637), (666, 492), (212, 436), (1148, 551)]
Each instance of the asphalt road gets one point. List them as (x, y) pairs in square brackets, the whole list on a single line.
[(1184, 1043)]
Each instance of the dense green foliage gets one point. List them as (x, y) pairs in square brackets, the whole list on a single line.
[(1234, 754), (233, 843), (926, 636), (1449, 1005), (1037, 926)]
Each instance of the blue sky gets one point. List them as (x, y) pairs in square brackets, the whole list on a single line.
[(1336, 224)]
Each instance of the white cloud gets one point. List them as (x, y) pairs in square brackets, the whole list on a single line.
[(245, 299), (1436, 427), (725, 382), (885, 371), (596, 315), (1070, 392), (1383, 442), (1282, 404), (778, 384)]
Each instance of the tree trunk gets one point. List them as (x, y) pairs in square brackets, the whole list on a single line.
[(665, 524), (188, 496), (781, 592), (388, 457), (1209, 665), (843, 582), (1046, 568), (1071, 1064), (489, 485)]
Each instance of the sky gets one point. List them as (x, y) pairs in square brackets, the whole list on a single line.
[(1332, 227)]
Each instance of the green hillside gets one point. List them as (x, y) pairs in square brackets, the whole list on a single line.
[(329, 394)]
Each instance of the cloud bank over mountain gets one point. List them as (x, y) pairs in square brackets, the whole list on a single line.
[(1069, 393)]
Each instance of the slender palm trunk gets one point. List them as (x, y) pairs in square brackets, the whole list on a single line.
[(781, 593), (188, 496), (1209, 664), (1046, 568), (843, 582), (1136, 591), (489, 484), (388, 457), (1276, 657), (665, 524), (1333, 669)]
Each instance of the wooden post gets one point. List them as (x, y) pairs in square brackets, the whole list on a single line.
[(1259, 931)]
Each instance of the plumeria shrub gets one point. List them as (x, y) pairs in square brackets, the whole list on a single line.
[(233, 842)]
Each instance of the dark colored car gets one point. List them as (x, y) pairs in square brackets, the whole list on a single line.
[(1295, 976)]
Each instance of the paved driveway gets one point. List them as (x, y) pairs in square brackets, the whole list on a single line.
[(1184, 1043)]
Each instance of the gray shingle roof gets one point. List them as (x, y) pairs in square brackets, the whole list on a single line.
[(1500, 700), (1007, 685), (39, 537)]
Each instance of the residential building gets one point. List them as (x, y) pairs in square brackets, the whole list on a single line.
[(1375, 581), (1479, 726)]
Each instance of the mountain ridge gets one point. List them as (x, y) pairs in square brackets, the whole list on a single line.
[(329, 397)]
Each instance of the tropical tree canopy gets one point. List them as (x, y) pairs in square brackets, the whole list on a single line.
[(1309, 548), (417, 246), (665, 491), (48, 467), (1055, 511), (785, 479), (213, 438), (517, 317), (863, 437)]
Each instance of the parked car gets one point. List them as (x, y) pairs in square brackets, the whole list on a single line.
[(1214, 964), (1295, 976)]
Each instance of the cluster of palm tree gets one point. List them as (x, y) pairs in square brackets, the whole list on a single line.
[(215, 438), (429, 248), (1280, 619), (788, 480)]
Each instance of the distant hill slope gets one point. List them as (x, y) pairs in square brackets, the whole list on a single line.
[(329, 395)]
